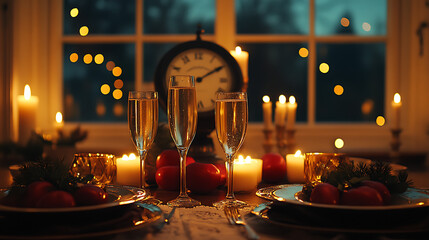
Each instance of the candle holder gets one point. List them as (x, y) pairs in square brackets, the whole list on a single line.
[(268, 144), (290, 141), (281, 141), (395, 144)]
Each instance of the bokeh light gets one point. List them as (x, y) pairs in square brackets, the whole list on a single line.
[(118, 83), (367, 106), (339, 143), (118, 109), (74, 57), (324, 68), (117, 94), (110, 65), (100, 109), (83, 31), (105, 89), (87, 58), (99, 58), (345, 22), (380, 121), (303, 52), (339, 90), (74, 12), (117, 71), (366, 26)]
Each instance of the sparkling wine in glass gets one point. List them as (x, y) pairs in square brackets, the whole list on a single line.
[(182, 119), (143, 124), (231, 117)]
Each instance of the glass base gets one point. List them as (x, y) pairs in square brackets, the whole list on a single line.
[(230, 202), (185, 202)]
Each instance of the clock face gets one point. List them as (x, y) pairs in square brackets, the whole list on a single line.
[(211, 71)]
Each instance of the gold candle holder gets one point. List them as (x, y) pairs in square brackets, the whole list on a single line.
[(290, 141), (395, 144), (268, 144), (281, 140)]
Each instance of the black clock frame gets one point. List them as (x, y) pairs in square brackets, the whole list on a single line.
[(206, 123)]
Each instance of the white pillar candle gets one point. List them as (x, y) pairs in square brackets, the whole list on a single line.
[(280, 112), (128, 170), (267, 109), (291, 113), (396, 107), (242, 58), (295, 167), (27, 114), (245, 175)]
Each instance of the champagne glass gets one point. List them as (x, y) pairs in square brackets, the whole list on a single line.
[(143, 124), (231, 125), (182, 118)]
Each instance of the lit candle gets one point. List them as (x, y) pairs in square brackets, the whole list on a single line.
[(128, 170), (291, 113), (267, 108), (59, 124), (280, 112), (246, 174), (27, 114), (242, 57), (396, 106), (295, 167)]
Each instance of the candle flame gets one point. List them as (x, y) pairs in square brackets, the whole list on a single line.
[(59, 117), (238, 50), (292, 99), (266, 99), (397, 98), (282, 98), (298, 153), (242, 160), (131, 157), (27, 92)]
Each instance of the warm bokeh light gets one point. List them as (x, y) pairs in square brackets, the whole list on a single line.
[(298, 153), (303, 52), (266, 99), (118, 109), (110, 65), (100, 109), (339, 143), (99, 58), (292, 99), (87, 58), (105, 89), (238, 50), (380, 121), (345, 22), (27, 92), (366, 26), (59, 117), (324, 67), (282, 99), (74, 57), (118, 83), (117, 94), (367, 106), (397, 98), (74, 12), (339, 90), (117, 71), (83, 31)]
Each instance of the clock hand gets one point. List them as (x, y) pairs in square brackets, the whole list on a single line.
[(199, 79)]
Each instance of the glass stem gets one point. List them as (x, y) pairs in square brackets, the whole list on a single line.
[(183, 152), (143, 154), (230, 180)]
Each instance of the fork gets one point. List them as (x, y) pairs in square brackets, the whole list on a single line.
[(234, 218)]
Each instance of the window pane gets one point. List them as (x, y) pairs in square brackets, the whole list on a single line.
[(97, 78), (276, 69), (272, 16), (363, 17), (100, 16), (352, 89), (178, 16)]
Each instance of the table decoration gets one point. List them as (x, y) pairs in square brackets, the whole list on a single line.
[(295, 167), (242, 58), (396, 128), (268, 125), (128, 170), (27, 114), (101, 166), (317, 165), (247, 173)]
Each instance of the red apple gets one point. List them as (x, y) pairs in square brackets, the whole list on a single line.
[(222, 169), (168, 178), (56, 199), (202, 177), (361, 196), (381, 188), (273, 168), (36, 190), (325, 193), (171, 157), (90, 195)]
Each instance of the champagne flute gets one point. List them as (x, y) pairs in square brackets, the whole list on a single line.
[(182, 118), (231, 125), (143, 124)]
